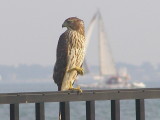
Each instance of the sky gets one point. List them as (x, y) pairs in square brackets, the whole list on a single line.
[(30, 29)]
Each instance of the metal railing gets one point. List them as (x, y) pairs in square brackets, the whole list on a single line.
[(90, 96)]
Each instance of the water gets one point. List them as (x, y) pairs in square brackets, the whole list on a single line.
[(27, 111)]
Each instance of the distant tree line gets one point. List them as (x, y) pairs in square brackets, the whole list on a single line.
[(143, 72), (25, 72)]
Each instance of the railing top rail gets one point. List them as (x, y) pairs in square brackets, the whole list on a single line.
[(86, 95)]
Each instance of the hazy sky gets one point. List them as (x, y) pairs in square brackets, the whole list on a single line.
[(29, 29)]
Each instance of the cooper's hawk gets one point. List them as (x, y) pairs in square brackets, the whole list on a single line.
[(70, 54)]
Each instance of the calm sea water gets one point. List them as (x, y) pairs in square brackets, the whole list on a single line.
[(27, 111)]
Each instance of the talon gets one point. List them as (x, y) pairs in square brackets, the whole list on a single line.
[(78, 69), (72, 88), (81, 71), (79, 89)]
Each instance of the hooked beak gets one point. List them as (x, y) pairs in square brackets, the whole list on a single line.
[(64, 24)]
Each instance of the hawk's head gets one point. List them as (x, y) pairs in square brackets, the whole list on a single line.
[(74, 23)]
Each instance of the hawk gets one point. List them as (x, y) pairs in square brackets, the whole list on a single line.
[(70, 54)]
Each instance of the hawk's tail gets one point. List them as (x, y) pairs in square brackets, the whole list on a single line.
[(59, 89), (59, 111)]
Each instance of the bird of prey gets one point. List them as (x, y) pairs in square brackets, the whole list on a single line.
[(70, 54)]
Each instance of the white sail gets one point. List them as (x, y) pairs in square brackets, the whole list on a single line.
[(88, 36), (90, 29), (107, 66)]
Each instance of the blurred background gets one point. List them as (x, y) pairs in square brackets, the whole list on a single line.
[(30, 29), (29, 32)]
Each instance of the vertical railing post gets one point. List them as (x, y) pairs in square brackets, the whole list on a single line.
[(39, 110), (65, 110), (90, 110), (14, 111), (115, 110), (140, 109)]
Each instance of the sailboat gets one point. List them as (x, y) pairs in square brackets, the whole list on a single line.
[(109, 76)]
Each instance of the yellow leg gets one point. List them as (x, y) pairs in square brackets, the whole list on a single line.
[(78, 69), (72, 88)]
